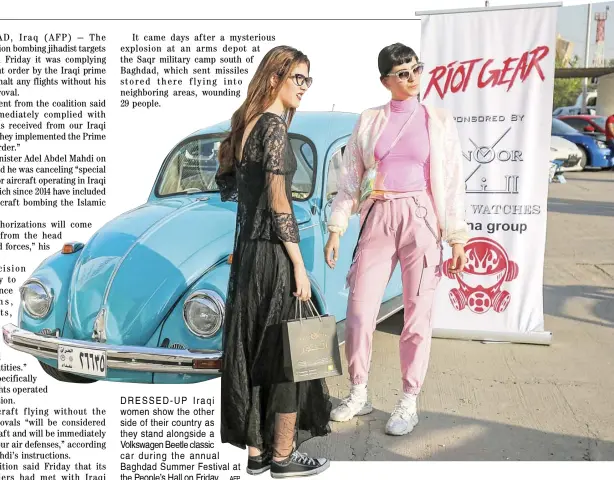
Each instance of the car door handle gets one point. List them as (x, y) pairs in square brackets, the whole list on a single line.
[(326, 207)]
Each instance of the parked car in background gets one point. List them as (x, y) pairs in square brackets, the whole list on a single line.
[(566, 153), (576, 109), (566, 111), (588, 124), (573, 111), (596, 153), (143, 300)]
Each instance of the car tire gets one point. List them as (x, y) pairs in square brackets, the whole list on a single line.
[(65, 376), (583, 158)]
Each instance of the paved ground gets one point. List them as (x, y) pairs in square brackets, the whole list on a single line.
[(505, 401)]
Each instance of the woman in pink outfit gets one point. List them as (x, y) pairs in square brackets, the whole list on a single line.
[(403, 173)]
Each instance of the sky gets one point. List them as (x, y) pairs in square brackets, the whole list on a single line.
[(572, 26)]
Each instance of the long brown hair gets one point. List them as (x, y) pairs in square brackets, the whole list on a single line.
[(279, 61)]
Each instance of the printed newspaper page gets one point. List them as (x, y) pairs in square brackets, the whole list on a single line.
[(144, 263)]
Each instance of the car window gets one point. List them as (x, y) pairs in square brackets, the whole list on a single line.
[(193, 164), (599, 121), (591, 102), (334, 173), (307, 153), (577, 123), (302, 182), (561, 128), (191, 168)]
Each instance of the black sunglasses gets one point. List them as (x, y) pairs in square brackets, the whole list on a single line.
[(300, 79)]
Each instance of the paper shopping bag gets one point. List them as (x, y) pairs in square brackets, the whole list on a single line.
[(310, 346)]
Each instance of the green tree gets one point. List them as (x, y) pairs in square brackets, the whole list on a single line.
[(566, 90)]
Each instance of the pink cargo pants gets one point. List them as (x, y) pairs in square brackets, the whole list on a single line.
[(395, 230)]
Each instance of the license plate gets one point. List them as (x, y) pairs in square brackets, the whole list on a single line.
[(82, 360)]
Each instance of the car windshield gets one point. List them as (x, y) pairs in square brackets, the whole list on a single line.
[(599, 121), (192, 166), (561, 128)]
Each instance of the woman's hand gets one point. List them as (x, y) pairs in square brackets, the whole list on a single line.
[(303, 286), (331, 250), (458, 259)]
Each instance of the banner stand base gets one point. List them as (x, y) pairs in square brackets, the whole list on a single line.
[(534, 338)]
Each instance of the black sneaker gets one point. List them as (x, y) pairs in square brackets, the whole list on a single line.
[(259, 464), (298, 465)]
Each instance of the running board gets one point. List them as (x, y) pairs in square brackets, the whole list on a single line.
[(388, 308)]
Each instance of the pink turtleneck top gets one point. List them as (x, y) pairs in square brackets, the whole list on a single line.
[(404, 167)]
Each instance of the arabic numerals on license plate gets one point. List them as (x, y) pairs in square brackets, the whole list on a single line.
[(88, 361), (92, 361)]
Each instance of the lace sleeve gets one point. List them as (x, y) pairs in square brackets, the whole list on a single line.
[(227, 183), (278, 181)]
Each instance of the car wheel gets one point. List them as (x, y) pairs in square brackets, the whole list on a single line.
[(583, 157), (65, 376)]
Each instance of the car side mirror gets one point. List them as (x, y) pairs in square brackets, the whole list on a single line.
[(589, 128)]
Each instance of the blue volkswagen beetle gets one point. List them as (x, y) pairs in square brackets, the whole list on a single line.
[(143, 300)]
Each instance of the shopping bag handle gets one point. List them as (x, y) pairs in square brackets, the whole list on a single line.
[(298, 310)]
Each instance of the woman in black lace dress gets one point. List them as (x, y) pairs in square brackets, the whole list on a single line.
[(259, 409)]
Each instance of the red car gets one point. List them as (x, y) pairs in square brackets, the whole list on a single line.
[(594, 124)]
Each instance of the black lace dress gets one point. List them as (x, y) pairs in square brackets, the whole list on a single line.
[(260, 297)]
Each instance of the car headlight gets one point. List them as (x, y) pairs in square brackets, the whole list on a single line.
[(36, 298), (203, 313), (601, 144)]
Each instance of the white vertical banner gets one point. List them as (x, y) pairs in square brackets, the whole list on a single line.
[(493, 69)]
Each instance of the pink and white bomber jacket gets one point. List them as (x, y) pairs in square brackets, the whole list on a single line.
[(446, 172)]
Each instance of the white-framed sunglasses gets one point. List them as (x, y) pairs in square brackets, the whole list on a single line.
[(406, 74)]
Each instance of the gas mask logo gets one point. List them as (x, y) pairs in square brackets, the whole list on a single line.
[(480, 284)]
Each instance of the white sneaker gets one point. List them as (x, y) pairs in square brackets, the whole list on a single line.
[(351, 406), (403, 419)]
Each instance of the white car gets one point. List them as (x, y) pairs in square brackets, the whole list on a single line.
[(568, 152), (573, 111), (591, 106)]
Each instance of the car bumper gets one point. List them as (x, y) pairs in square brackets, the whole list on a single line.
[(131, 358), (603, 159)]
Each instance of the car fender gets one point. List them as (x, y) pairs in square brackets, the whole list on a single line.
[(173, 330), (55, 273)]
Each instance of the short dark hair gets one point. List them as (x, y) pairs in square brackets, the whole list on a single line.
[(393, 55)]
